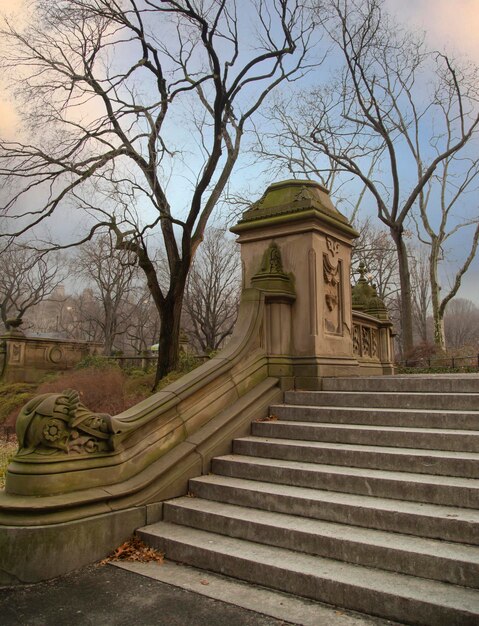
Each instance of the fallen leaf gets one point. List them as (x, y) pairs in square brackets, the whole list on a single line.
[(134, 550)]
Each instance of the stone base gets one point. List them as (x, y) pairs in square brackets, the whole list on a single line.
[(34, 553), (308, 371)]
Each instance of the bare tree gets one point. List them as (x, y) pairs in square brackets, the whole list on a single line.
[(421, 291), (462, 324), (111, 276), (385, 119), (27, 278), (212, 291), (123, 95), (440, 205), (144, 326), (374, 248)]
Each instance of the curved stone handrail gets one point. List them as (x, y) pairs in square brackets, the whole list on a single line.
[(170, 420)]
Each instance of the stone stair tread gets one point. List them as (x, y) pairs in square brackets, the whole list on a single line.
[(374, 409), (340, 532), (458, 384), (374, 428), (438, 401), (450, 481), (319, 445), (346, 579), (368, 393), (351, 499)]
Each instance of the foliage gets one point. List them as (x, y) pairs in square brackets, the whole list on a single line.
[(97, 362), (7, 451), (12, 397), (103, 390), (437, 370)]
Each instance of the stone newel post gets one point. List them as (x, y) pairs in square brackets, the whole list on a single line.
[(311, 335)]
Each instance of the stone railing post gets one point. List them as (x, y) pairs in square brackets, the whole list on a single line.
[(313, 241)]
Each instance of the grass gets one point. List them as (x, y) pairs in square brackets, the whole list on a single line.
[(7, 450)]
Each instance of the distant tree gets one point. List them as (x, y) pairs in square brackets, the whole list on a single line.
[(421, 291), (144, 327), (212, 291), (375, 249), (393, 114), (27, 278), (111, 276), (462, 324)]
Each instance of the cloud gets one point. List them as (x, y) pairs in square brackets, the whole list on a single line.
[(450, 24), (8, 120)]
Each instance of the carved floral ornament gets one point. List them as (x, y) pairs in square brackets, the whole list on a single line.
[(365, 341), (332, 280), (59, 423)]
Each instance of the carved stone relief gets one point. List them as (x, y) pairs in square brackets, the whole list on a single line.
[(60, 423), (332, 288), (313, 294), (16, 353)]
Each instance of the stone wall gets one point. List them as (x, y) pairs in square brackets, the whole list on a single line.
[(28, 359)]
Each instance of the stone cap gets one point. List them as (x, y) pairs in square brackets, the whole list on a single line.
[(290, 199)]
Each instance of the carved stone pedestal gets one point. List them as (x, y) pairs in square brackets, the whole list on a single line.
[(313, 241)]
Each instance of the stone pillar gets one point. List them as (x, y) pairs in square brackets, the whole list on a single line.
[(314, 241)]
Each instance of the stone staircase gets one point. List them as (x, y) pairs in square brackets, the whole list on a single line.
[(364, 496)]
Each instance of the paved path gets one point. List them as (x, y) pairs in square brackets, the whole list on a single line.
[(113, 596)]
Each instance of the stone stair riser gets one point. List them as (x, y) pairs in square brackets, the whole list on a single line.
[(463, 442), (421, 464), (376, 417), (385, 602), (457, 402), (367, 554), (402, 384), (399, 489), (448, 527)]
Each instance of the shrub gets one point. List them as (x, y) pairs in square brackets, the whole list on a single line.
[(12, 397), (7, 451), (102, 390), (98, 362)]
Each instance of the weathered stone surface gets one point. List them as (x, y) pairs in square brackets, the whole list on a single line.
[(295, 326)]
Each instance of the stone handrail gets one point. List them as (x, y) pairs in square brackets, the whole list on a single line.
[(125, 461), (372, 342)]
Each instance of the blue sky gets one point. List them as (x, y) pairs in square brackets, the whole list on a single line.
[(453, 24)]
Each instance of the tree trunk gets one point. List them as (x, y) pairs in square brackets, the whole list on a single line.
[(108, 334), (169, 342), (437, 310), (407, 341)]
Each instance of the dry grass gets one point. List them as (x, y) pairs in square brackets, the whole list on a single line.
[(7, 450), (101, 390)]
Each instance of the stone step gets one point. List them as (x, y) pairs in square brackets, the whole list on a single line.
[(446, 383), (386, 399), (377, 592), (436, 462), (447, 490), (396, 436), (463, 420), (424, 520), (425, 558)]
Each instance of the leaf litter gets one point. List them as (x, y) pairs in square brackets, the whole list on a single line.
[(134, 550)]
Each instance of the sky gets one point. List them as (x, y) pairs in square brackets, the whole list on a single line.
[(449, 24), (453, 24)]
